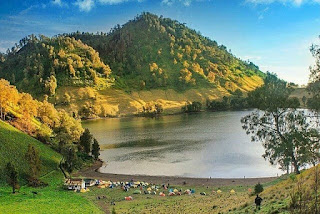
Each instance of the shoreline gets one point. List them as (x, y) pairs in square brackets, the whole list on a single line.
[(93, 172), (163, 114)]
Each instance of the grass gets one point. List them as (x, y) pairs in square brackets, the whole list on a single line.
[(13, 147), (194, 203), (50, 199)]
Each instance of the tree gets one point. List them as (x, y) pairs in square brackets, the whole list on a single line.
[(288, 135), (12, 176), (50, 85), (8, 97), (258, 188), (95, 149), (33, 158), (86, 141), (70, 158)]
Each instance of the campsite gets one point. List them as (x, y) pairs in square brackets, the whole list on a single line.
[(159, 106)]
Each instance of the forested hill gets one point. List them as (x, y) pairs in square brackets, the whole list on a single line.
[(39, 65), (149, 52), (158, 52)]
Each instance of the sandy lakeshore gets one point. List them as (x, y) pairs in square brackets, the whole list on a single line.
[(93, 172)]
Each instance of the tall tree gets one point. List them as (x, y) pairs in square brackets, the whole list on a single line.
[(288, 135), (86, 141), (95, 149), (33, 158), (70, 158), (12, 176)]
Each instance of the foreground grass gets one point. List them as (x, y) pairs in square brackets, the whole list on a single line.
[(50, 199), (13, 147)]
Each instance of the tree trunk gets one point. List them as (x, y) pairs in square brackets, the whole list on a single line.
[(295, 164)]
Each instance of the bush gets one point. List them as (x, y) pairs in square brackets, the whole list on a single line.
[(258, 188)]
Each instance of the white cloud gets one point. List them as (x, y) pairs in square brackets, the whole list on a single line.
[(85, 5), (184, 2), (293, 2)]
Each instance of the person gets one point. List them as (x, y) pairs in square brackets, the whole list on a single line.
[(258, 201)]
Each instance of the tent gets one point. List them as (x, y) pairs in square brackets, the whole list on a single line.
[(232, 191), (137, 192)]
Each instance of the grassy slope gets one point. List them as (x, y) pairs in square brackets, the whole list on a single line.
[(195, 203), (276, 198), (51, 199), (118, 102), (13, 147)]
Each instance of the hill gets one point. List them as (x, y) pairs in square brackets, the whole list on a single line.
[(50, 199), (39, 65), (13, 147), (154, 52), (296, 194), (112, 74)]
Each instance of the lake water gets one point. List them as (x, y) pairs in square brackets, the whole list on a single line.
[(208, 144)]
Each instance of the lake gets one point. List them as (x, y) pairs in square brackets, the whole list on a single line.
[(207, 144)]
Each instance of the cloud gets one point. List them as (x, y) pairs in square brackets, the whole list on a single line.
[(262, 13), (292, 2), (184, 2), (85, 5)]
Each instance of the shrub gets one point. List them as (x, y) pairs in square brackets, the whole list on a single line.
[(258, 188)]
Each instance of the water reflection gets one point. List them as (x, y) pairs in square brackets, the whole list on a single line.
[(197, 145)]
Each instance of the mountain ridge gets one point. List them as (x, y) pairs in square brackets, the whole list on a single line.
[(147, 54)]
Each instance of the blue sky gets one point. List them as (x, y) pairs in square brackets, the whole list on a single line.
[(274, 34)]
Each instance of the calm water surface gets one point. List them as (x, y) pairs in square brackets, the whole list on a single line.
[(209, 144)]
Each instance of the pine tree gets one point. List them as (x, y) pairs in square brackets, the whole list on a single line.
[(70, 158), (12, 176), (86, 141), (95, 149), (33, 158)]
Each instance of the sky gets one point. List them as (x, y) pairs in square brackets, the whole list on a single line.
[(274, 34)]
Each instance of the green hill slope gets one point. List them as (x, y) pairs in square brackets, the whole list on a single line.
[(13, 147), (149, 52), (39, 65), (296, 194), (155, 52)]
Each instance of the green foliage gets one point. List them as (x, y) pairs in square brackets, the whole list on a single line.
[(70, 158), (14, 146), (12, 176), (258, 188), (234, 102), (41, 64), (33, 159), (95, 149), (192, 107), (288, 134), (86, 141), (155, 52)]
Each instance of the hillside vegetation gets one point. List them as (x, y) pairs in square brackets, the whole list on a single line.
[(39, 65), (154, 52), (146, 54), (50, 199), (13, 147)]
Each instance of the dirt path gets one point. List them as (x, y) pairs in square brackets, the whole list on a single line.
[(92, 172)]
